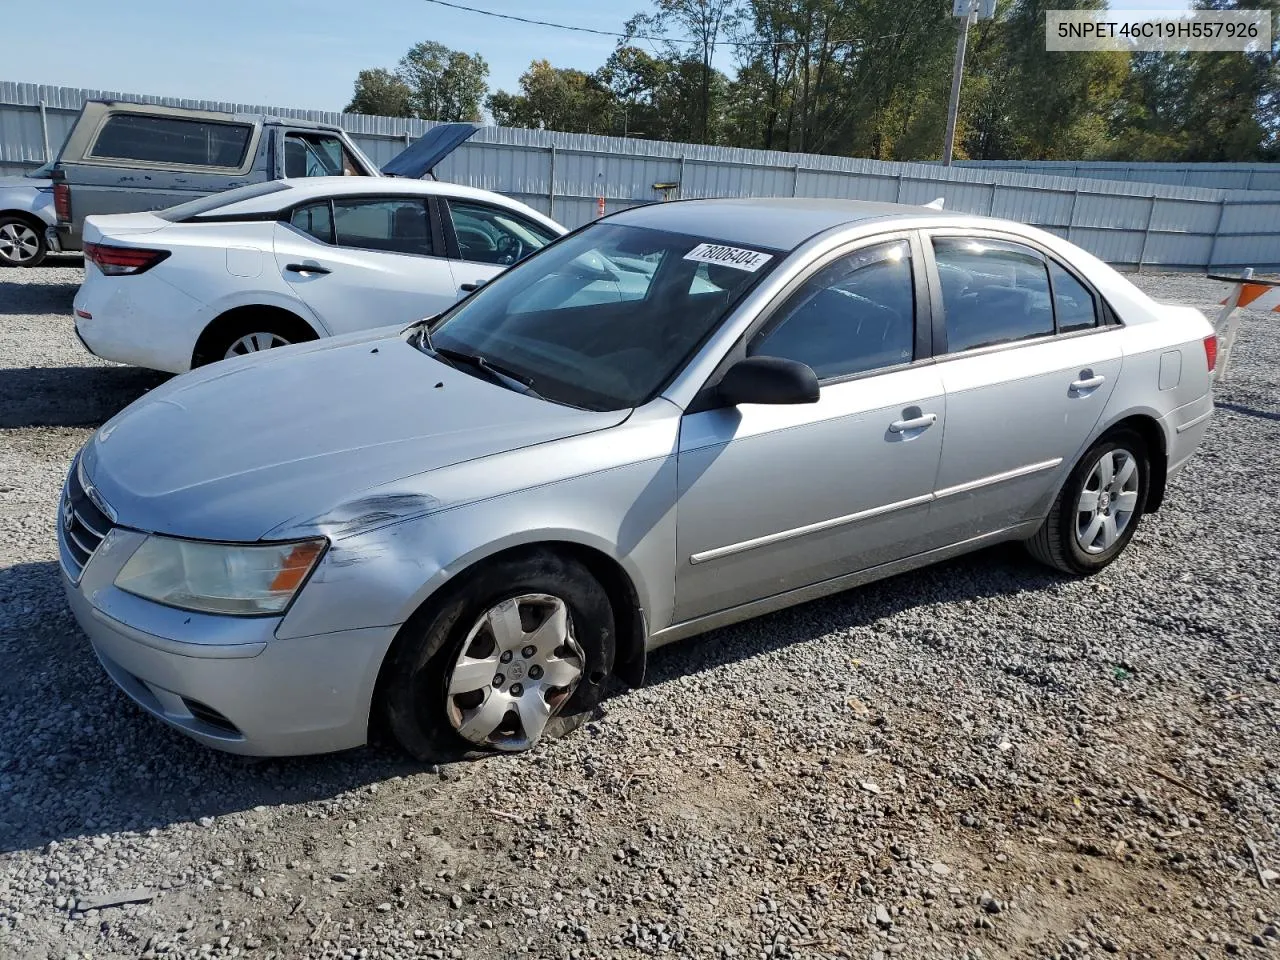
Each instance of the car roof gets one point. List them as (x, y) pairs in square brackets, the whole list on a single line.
[(780, 223), (302, 189)]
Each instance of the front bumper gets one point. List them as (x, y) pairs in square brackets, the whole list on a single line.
[(52, 241), (228, 682)]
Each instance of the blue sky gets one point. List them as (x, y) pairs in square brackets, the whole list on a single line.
[(294, 53)]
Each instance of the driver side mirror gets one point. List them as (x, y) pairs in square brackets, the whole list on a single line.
[(769, 380)]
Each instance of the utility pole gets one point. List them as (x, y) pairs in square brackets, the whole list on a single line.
[(964, 9)]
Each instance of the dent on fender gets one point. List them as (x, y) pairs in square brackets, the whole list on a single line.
[(366, 513)]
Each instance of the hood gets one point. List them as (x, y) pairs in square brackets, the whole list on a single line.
[(237, 448), (421, 157)]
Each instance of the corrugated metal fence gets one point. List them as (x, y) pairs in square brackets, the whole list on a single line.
[(1223, 176), (1128, 224)]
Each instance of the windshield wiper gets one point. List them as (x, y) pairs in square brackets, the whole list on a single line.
[(420, 333), (496, 372)]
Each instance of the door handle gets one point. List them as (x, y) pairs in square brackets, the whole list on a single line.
[(1087, 382), (468, 287), (915, 423), (307, 268)]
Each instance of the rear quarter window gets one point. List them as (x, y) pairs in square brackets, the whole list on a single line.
[(176, 140)]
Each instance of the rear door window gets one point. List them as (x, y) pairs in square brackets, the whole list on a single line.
[(175, 140), (1073, 304), (993, 292), (391, 225)]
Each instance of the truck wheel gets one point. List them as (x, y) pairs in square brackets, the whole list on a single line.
[(21, 242)]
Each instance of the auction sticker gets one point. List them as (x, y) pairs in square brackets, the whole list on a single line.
[(736, 257)]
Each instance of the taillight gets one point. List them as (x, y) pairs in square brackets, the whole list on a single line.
[(62, 201), (1211, 351), (122, 261)]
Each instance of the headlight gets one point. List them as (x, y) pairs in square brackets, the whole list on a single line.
[(241, 580)]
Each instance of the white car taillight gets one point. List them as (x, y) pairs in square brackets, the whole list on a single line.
[(122, 261)]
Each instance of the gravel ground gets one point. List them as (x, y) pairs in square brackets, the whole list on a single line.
[(977, 760)]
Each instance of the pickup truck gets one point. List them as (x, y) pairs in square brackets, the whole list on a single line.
[(124, 157)]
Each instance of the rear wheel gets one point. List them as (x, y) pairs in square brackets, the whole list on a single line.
[(1098, 508), (518, 651), (249, 332), (253, 342), (21, 242)]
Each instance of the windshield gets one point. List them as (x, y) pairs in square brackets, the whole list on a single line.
[(605, 317)]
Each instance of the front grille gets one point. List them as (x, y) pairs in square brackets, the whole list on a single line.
[(82, 525)]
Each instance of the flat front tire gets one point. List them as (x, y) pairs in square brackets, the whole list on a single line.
[(516, 651), (1098, 509)]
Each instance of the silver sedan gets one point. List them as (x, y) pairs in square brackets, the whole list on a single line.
[(682, 416)]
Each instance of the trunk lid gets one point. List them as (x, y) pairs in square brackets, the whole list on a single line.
[(114, 226)]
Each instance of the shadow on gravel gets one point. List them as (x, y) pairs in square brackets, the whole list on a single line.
[(70, 396), (30, 298), (1003, 570), (1247, 411), (78, 757)]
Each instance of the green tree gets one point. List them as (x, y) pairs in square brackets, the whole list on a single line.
[(869, 78), (697, 28), (691, 102), (554, 98), (1061, 103), (446, 84), (1200, 106), (633, 77), (381, 93), (841, 76)]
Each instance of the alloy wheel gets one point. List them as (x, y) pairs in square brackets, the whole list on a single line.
[(1108, 501), (253, 343), (18, 243), (517, 666)]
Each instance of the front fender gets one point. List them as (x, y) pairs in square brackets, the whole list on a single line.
[(392, 550)]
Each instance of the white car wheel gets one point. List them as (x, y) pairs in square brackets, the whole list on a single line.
[(254, 342)]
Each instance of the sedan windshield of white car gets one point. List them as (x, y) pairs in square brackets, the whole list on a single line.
[(604, 318)]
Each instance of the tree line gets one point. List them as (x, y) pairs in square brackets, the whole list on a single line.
[(865, 78)]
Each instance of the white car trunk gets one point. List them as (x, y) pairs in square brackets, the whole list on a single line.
[(102, 228)]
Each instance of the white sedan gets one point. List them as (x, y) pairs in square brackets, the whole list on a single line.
[(288, 261)]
